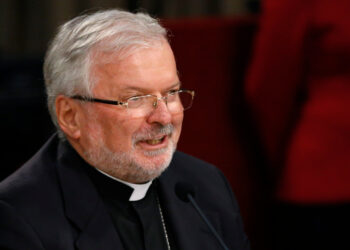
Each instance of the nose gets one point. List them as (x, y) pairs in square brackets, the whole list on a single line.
[(160, 114)]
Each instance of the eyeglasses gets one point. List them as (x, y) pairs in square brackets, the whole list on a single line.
[(176, 101)]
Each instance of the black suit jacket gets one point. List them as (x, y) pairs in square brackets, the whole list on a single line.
[(50, 203)]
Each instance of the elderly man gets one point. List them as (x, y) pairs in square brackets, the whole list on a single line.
[(100, 182)]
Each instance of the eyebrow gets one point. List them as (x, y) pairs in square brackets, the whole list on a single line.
[(144, 90)]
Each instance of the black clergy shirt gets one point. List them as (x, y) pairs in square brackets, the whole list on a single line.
[(138, 223)]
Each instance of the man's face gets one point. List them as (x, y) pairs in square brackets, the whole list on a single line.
[(113, 138)]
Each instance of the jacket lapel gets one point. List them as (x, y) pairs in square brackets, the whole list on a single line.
[(99, 233), (83, 205), (188, 229)]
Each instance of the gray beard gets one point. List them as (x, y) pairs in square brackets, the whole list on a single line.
[(124, 165)]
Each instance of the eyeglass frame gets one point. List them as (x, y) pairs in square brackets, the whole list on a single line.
[(125, 103)]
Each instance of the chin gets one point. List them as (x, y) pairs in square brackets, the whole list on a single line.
[(151, 164), (155, 159)]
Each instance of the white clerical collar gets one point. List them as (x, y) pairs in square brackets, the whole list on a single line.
[(140, 190)]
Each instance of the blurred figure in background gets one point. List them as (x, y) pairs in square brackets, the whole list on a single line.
[(298, 88)]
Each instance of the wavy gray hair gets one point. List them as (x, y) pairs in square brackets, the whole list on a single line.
[(69, 57)]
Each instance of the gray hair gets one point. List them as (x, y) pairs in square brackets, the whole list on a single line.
[(69, 56)]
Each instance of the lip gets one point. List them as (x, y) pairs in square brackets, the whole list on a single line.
[(164, 143)]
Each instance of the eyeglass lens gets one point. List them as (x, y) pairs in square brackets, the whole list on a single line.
[(176, 103)]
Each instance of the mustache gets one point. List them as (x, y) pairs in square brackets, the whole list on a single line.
[(153, 132)]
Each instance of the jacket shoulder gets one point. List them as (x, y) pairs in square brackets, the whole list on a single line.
[(196, 170), (36, 173), (182, 160)]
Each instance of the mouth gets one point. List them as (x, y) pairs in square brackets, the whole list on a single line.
[(154, 143)]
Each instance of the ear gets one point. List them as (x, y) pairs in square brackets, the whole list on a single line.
[(67, 112)]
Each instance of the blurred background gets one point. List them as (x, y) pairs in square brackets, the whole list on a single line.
[(272, 82)]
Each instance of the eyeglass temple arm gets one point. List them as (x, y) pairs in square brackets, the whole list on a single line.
[(88, 99)]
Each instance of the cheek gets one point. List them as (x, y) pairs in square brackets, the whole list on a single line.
[(118, 131), (88, 125)]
